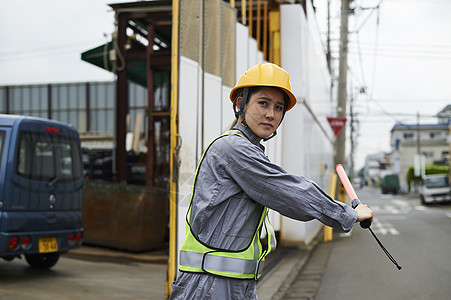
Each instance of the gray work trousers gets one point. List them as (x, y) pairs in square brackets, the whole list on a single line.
[(209, 287)]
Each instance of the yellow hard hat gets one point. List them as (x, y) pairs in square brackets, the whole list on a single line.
[(266, 75)]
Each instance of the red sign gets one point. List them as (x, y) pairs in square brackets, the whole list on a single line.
[(337, 124)]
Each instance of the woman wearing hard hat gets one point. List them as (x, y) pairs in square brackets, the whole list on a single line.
[(235, 184)]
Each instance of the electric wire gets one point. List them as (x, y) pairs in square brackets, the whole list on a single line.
[(59, 16), (411, 47), (369, 15), (44, 49), (388, 50), (409, 56)]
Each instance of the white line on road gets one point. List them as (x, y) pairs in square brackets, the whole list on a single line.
[(400, 202), (420, 207), (384, 228), (375, 207), (392, 217)]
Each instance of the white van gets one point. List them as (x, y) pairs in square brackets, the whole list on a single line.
[(435, 188)]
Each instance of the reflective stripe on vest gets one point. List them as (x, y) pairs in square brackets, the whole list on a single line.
[(245, 264), (212, 262)]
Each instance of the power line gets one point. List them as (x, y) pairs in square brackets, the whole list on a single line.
[(397, 51), (410, 46), (369, 15), (68, 49), (407, 55), (50, 48), (398, 114), (397, 100)]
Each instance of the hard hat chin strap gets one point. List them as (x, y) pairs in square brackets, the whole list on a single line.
[(240, 112), (271, 136)]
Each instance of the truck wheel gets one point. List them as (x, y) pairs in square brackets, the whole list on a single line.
[(42, 261), (422, 200)]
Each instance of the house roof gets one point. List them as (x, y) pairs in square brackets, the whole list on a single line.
[(401, 126), (445, 112)]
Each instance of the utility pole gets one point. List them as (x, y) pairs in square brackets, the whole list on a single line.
[(342, 81), (418, 134), (351, 156), (328, 54), (419, 161)]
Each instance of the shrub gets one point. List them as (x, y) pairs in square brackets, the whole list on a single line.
[(430, 170)]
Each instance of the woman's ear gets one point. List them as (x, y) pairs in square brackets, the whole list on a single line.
[(238, 102)]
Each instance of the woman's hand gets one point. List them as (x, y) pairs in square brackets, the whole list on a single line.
[(363, 213)]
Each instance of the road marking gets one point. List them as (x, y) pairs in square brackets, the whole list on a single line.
[(385, 231), (394, 217), (420, 207), (392, 209), (448, 215), (383, 228), (375, 207), (400, 202), (379, 227)]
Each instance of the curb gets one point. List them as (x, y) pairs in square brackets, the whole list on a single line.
[(92, 253), (274, 285)]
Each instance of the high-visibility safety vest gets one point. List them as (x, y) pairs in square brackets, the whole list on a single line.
[(246, 263)]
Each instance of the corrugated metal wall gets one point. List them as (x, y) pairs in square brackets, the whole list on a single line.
[(89, 107), (217, 48)]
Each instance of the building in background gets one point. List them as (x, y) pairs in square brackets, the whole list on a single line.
[(429, 140), (377, 165)]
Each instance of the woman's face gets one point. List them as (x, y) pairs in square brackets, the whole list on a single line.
[(264, 111)]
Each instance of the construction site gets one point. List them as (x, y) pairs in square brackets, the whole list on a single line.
[(144, 133)]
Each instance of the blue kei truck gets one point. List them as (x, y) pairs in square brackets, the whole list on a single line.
[(41, 184)]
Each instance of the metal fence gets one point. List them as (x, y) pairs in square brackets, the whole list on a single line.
[(89, 106), (207, 36)]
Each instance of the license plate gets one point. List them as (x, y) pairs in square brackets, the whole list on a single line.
[(48, 244)]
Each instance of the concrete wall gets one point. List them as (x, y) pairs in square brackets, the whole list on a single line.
[(300, 146), (201, 120), (306, 149)]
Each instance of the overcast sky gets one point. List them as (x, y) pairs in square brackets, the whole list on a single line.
[(42, 40), (400, 53)]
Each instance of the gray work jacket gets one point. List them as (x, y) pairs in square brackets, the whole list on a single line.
[(234, 181)]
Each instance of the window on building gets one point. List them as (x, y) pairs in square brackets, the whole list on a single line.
[(428, 154), (408, 135)]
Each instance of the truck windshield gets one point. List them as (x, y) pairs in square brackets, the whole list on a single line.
[(437, 182), (48, 157)]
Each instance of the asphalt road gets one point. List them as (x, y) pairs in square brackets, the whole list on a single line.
[(86, 279), (350, 267), (355, 267)]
